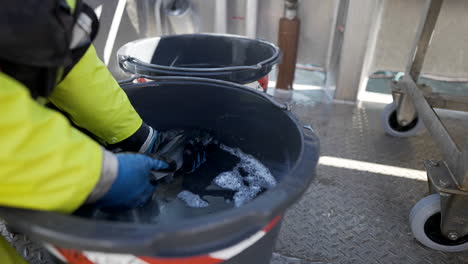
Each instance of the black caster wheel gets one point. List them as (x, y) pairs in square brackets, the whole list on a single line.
[(392, 128)]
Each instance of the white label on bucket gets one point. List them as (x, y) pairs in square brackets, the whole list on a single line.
[(54, 252), (104, 258), (238, 248)]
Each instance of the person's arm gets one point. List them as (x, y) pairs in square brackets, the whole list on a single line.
[(8, 255), (93, 99), (45, 163)]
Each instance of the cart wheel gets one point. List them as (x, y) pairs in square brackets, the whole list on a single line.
[(392, 127), (425, 225)]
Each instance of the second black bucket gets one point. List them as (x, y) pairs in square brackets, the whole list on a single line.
[(224, 57), (240, 117)]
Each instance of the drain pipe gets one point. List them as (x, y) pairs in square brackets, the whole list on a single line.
[(251, 18), (288, 40)]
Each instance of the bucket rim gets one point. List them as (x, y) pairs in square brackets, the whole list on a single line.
[(124, 59)]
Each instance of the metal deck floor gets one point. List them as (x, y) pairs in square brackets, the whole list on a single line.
[(354, 213)]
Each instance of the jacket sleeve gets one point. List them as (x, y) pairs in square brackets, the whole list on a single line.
[(93, 99), (45, 163), (8, 255)]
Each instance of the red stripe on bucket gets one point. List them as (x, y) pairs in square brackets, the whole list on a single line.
[(78, 257), (74, 257), (264, 82), (189, 260), (272, 224)]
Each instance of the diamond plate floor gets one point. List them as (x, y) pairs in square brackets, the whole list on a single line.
[(353, 215)]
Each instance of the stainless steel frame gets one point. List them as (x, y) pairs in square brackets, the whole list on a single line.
[(449, 177)]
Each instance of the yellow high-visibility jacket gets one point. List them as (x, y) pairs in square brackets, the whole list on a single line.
[(8, 254), (47, 164)]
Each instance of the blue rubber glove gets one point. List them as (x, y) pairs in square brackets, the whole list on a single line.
[(132, 187)]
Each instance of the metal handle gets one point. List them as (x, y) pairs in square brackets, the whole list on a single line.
[(140, 65), (309, 127), (129, 80)]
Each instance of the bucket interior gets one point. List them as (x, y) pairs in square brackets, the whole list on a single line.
[(236, 117), (239, 118), (200, 51)]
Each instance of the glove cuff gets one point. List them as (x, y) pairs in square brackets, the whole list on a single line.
[(149, 142), (136, 142), (108, 175)]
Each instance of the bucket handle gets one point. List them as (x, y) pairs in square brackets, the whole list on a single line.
[(308, 127), (138, 64), (131, 79)]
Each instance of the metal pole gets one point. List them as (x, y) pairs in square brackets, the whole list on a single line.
[(449, 149), (405, 111), (423, 38), (432, 122)]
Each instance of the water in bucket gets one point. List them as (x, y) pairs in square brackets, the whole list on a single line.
[(229, 178)]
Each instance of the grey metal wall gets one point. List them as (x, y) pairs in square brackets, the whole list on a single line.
[(383, 45), (397, 25), (448, 54), (204, 10), (316, 16), (316, 24)]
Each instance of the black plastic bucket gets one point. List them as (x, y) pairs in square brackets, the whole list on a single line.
[(240, 117), (224, 57)]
